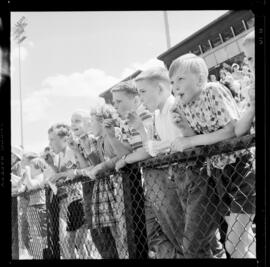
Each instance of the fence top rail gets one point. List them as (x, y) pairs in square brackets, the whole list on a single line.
[(230, 145), (226, 146)]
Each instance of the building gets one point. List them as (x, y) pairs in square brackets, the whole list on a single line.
[(218, 42)]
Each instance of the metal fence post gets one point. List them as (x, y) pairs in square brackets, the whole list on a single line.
[(52, 208), (15, 231), (134, 212)]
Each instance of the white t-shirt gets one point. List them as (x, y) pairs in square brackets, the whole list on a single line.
[(165, 128), (66, 161)]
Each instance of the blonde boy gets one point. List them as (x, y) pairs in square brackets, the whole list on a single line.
[(212, 112)]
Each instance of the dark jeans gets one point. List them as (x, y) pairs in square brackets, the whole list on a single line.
[(104, 242), (101, 237), (164, 214), (200, 203)]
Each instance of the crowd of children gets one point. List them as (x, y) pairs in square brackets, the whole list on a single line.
[(160, 111)]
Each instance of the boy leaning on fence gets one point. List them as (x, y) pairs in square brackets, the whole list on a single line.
[(155, 92), (212, 112), (163, 222), (20, 241), (71, 215), (35, 169), (106, 204)]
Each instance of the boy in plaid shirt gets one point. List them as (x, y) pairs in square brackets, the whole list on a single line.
[(211, 112), (107, 196)]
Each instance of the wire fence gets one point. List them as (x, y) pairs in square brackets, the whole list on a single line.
[(181, 205)]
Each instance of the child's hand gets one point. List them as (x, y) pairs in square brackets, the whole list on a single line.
[(72, 144), (180, 144), (94, 172), (57, 176), (134, 120), (120, 164), (48, 158)]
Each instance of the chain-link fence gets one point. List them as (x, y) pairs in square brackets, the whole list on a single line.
[(195, 204)]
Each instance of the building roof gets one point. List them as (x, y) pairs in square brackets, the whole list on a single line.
[(216, 26)]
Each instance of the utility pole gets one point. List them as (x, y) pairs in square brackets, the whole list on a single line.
[(167, 32), (19, 35)]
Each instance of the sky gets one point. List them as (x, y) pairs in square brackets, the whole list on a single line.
[(69, 58)]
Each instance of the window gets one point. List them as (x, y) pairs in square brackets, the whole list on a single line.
[(238, 27), (196, 51), (216, 41), (205, 46), (227, 34)]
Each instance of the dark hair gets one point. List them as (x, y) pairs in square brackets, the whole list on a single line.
[(60, 129)]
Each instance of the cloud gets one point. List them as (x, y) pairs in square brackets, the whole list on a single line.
[(89, 83), (153, 62)]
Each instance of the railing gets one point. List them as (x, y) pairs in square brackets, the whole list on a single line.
[(171, 206)]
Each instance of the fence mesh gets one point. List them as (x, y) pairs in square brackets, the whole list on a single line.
[(181, 205)]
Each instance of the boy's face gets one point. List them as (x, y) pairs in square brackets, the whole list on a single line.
[(123, 103), (185, 85), (78, 124), (249, 50), (57, 143), (149, 93), (96, 126)]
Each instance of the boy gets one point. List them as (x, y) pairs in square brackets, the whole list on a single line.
[(36, 210), (244, 124), (103, 208), (154, 89), (212, 113), (138, 129), (71, 215)]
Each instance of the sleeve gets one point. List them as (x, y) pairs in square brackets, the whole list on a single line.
[(223, 105)]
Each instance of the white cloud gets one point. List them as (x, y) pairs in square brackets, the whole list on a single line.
[(153, 62)]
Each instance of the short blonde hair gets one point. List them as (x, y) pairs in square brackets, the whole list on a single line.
[(157, 74), (83, 113), (191, 63), (127, 87), (249, 38)]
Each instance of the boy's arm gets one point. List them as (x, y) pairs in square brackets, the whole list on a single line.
[(244, 124), (183, 143), (137, 155)]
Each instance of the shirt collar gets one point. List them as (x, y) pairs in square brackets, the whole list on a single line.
[(170, 100)]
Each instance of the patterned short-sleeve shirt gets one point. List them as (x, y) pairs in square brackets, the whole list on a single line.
[(125, 133), (87, 145), (210, 112)]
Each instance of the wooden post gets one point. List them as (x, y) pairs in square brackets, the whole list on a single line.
[(135, 213)]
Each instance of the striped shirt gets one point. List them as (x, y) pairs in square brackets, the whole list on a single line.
[(127, 134)]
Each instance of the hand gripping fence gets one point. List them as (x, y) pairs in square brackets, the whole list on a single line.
[(180, 205)]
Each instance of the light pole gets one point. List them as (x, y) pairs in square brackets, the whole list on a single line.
[(167, 31), (19, 38)]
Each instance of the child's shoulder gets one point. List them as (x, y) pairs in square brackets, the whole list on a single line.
[(216, 90)]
